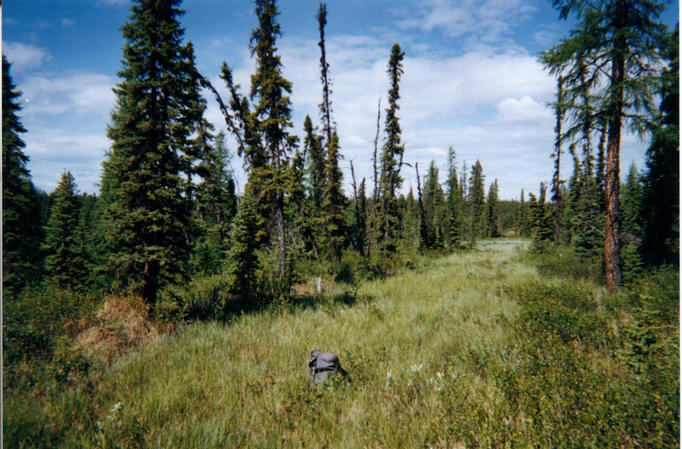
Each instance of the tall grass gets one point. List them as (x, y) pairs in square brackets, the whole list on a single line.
[(436, 355)]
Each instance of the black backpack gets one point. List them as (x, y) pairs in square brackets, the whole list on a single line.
[(321, 364)]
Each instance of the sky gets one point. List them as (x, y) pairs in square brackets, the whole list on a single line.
[(472, 80)]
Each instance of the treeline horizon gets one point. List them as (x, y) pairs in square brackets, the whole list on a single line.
[(168, 197), (168, 215)]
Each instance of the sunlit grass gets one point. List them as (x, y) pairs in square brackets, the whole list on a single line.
[(407, 341), (474, 349)]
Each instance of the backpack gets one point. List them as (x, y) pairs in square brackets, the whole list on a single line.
[(321, 364)]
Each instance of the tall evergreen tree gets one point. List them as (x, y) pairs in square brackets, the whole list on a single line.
[(493, 211), (326, 104), (215, 205), (435, 208), (476, 201), (557, 197), (613, 52), (391, 158), (662, 178), (272, 119), (314, 151), (64, 245), (157, 112), (455, 203), (334, 200), (21, 217)]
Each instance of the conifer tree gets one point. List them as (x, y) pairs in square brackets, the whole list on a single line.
[(435, 208), (632, 195), (524, 227), (455, 203), (21, 220), (360, 230), (271, 118), (391, 158), (158, 110), (542, 221), (476, 202), (662, 177), (314, 152), (242, 260), (64, 246), (493, 211), (215, 205), (557, 197), (611, 56), (325, 105), (334, 200)]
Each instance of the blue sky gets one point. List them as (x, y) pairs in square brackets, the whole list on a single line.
[(472, 79)]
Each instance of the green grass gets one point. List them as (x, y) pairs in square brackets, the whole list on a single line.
[(430, 353)]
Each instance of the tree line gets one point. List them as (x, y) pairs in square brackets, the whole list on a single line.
[(167, 212)]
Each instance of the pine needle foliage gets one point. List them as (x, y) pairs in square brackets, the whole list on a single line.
[(21, 230), (157, 111), (391, 158)]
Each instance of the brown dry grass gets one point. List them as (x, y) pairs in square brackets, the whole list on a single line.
[(121, 324)]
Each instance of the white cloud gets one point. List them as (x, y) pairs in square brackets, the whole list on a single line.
[(80, 94), (490, 106), (524, 110), (67, 23), (481, 20), (58, 148), (25, 56)]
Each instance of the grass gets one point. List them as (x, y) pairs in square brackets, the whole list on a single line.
[(427, 351)]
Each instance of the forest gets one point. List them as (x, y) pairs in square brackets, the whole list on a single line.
[(547, 321)]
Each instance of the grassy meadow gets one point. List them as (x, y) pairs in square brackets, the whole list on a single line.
[(473, 349)]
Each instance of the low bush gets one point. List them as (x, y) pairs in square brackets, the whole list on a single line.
[(204, 298), (565, 262), (592, 376)]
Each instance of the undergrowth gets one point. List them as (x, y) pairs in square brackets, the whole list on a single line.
[(475, 349)]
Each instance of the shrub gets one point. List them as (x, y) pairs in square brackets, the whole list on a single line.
[(204, 298), (34, 318)]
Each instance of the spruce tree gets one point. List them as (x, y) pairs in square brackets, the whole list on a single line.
[(64, 246), (271, 119), (334, 202), (455, 203), (662, 175), (21, 217), (435, 208), (391, 158), (612, 56), (360, 229), (158, 109), (557, 197), (242, 260), (632, 194), (326, 104), (215, 205), (314, 152), (476, 202), (493, 211)]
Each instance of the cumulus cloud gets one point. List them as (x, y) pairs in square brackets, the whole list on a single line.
[(78, 94), (25, 56), (67, 23)]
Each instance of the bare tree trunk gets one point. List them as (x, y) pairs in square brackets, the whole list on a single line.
[(612, 262), (281, 238), (150, 282)]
